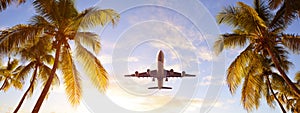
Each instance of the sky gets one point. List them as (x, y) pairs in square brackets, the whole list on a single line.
[(185, 31)]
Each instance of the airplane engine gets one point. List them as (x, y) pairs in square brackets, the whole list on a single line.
[(148, 71), (183, 73), (136, 73), (171, 72)]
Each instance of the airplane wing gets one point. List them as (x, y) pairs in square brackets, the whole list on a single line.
[(171, 73), (149, 73)]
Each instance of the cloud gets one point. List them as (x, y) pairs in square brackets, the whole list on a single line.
[(173, 29), (9, 109), (134, 102), (211, 80), (171, 41), (2, 108), (149, 100), (206, 81), (3, 28), (200, 101), (175, 67), (233, 52), (231, 101), (205, 54), (132, 59), (59, 89), (82, 108), (107, 45), (105, 59)]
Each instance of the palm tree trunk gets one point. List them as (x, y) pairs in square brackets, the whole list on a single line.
[(269, 84), (49, 81), (284, 76), (4, 84), (25, 94)]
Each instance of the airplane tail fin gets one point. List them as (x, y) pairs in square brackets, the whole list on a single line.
[(161, 88)]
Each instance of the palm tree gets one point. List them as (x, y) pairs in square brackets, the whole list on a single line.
[(60, 20), (8, 75), (5, 3), (255, 69), (252, 26), (37, 55)]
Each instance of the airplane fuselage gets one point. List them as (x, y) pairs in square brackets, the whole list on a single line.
[(160, 69)]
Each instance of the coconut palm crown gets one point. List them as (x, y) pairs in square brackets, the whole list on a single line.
[(60, 20), (263, 39)]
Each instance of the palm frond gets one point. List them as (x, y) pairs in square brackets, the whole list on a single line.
[(268, 96), (89, 39), (228, 15), (287, 12), (44, 72), (218, 46), (93, 16), (92, 67), (275, 3), (241, 16), (1, 61), (38, 51), (49, 59), (18, 37), (11, 65), (297, 77), (66, 9), (277, 81), (251, 90), (23, 73), (279, 84), (292, 42), (71, 77), (253, 83), (5, 3), (17, 69), (41, 22), (278, 22), (47, 9), (263, 11), (5, 85), (8, 82), (236, 71), (281, 54), (33, 82), (230, 41), (32, 88), (255, 22), (289, 104)]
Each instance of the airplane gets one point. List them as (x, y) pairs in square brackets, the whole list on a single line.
[(160, 73)]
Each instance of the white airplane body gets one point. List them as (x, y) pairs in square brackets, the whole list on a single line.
[(160, 73)]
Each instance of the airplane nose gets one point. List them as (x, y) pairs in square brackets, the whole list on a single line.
[(160, 52), (160, 56)]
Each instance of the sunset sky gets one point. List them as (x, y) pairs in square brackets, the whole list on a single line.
[(184, 31)]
